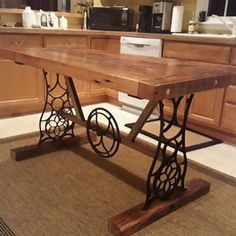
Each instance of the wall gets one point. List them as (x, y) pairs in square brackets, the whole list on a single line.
[(189, 11)]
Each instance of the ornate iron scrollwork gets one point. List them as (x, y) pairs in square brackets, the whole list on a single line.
[(106, 128), (52, 125), (163, 179)]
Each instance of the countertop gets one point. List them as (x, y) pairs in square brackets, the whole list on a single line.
[(21, 30)]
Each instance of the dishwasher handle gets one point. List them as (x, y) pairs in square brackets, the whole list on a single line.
[(139, 45)]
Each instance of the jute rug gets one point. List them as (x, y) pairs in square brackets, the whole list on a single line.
[(194, 139), (73, 193)]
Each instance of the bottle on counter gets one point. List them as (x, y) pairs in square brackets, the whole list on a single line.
[(53, 22), (192, 25), (63, 23), (85, 20), (28, 17)]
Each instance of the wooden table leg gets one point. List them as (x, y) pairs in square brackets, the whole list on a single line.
[(61, 110), (166, 188)]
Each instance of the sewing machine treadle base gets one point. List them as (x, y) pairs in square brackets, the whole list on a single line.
[(134, 219)]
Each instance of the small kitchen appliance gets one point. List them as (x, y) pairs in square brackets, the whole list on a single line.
[(110, 18), (145, 18), (161, 16)]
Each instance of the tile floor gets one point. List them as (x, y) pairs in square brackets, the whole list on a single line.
[(221, 157)]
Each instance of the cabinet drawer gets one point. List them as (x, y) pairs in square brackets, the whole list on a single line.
[(99, 43), (197, 52), (229, 117), (19, 41), (230, 95), (66, 41)]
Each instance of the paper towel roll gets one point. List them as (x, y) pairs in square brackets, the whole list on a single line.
[(177, 19)]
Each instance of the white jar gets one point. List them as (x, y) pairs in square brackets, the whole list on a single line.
[(54, 20), (28, 17), (63, 23)]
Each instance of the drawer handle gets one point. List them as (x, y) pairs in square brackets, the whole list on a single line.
[(97, 82), (108, 81)]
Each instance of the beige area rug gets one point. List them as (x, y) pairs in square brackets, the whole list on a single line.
[(194, 139), (74, 193)]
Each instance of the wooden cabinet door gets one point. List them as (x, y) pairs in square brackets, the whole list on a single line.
[(207, 106), (21, 86), (114, 45), (229, 110), (109, 44), (21, 89), (99, 43)]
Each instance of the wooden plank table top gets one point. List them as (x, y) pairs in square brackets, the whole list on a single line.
[(144, 77)]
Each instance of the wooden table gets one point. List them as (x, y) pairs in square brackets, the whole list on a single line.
[(144, 77)]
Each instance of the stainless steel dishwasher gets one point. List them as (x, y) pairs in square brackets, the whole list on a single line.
[(143, 47)]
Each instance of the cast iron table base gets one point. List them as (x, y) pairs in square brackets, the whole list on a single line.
[(166, 189)]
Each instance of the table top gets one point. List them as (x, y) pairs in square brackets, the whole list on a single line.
[(145, 77)]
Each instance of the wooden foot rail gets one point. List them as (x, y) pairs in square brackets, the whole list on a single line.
[(134, 219), (30, 151)]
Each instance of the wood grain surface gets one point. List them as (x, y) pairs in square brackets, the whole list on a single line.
[(144, 77), (134, 219)]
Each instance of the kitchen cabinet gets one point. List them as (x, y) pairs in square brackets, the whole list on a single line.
[(229, 105), (206, 107), (114, 45), (107, 43), (197, 51), (99, 43), (55, 41), (229, 110), (21, 86)]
